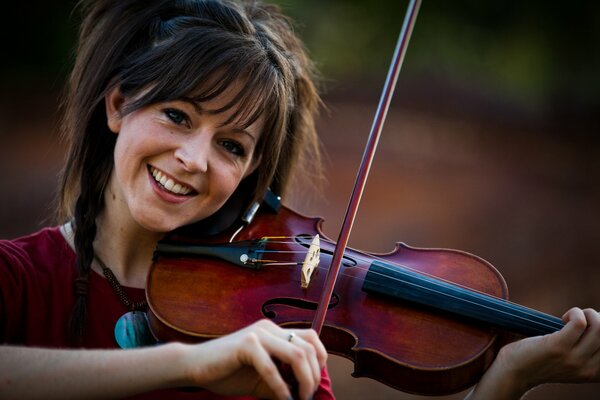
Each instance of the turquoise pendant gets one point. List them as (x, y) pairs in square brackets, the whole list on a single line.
[(132, 330)]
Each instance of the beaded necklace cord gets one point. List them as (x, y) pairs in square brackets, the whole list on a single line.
[(118, 289)]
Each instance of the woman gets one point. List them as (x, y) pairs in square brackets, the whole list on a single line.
[(170, 106), (173, 108)]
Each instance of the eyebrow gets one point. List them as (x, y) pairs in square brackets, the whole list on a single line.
[(199, 111)]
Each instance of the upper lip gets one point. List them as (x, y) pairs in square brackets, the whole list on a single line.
[(191, 189)]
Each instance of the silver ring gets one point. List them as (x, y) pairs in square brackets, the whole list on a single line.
[(291, 337)]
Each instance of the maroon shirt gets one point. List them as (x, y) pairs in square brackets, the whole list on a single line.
[(37, 275)]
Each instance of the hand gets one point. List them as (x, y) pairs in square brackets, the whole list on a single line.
[(569, 355), (242, 363)]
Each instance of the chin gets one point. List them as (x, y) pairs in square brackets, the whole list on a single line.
[(164, 225), (157, 225)]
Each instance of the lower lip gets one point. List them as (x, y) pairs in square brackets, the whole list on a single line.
[(165, 195)]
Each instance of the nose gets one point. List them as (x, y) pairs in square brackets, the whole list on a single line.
[(193, 153)]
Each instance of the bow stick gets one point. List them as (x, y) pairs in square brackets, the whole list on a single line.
[(367, 160)]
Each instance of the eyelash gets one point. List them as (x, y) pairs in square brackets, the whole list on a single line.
[(179, 117), (237, 150)]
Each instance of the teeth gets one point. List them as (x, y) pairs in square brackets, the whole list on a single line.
[(168, 183)]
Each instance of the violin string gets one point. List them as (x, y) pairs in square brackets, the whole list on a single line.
[(360, 258), (368, 259), (281, 251), (539, 320), (495, 309), (420, 273), (532, 319)]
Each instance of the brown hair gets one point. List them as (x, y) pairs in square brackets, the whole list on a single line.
[(172, 49)]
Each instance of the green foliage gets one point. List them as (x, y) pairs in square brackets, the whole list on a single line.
[(528, 50)]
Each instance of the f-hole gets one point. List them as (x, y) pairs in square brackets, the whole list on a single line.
[(295, 303)]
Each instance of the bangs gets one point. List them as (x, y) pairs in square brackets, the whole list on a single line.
[(202, 65), (257, 93)]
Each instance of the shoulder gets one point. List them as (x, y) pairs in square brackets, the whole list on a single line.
[(42, 252), (36, 275)]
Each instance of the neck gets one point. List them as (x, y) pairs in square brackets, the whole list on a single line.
[(124, 246)]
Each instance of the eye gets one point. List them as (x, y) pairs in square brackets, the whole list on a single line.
[(178, 117), (233, 147)]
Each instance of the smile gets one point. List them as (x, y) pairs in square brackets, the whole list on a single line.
[(169, 184)]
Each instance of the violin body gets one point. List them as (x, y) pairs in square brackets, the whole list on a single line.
[(411, 347)]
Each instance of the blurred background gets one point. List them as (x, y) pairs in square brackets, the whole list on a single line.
[(491, 144)]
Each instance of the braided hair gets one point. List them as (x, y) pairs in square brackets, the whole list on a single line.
[(166, 50)]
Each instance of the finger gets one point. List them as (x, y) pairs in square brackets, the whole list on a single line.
[(302, 358), (296, 357), (278, 346), (307, 339), (255, 354), (312, 337), (589, 343), (311, 354), (575, 324), (309, 335)]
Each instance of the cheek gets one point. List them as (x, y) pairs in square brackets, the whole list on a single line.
[(223, 187), (225, 181), (126, 160), (136, 143)]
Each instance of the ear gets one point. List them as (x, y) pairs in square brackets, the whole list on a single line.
[(114, 101)]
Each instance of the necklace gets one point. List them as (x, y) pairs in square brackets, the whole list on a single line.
[(118, 289), (132, 328)]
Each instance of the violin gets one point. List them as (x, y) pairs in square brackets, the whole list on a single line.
[(425, 321)]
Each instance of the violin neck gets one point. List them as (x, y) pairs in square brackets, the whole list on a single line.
[(387, 279)]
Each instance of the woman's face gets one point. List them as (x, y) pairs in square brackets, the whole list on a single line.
[(174, 163)]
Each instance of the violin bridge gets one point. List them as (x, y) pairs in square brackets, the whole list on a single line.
[(311, 261)]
